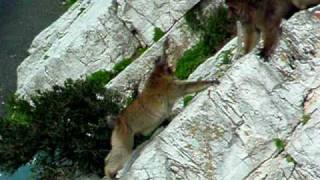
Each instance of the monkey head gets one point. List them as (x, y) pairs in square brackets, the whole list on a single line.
[(241, 9), (162, 67)]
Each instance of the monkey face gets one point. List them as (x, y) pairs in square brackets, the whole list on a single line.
[(235, 8), (162, 66), (243, 10)]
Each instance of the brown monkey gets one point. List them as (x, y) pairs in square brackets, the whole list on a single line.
[(147, 112), (264, 16), (304, 4)]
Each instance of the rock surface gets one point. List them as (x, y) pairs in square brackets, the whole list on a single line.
[(85, 39), (227, 132), (230, 132)]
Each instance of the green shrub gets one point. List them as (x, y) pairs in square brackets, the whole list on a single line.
[(187, 100), (64, 129), (279, 143), (141, 51), (192, 18), (70, 2), (190, 60), (226, 57), (214, 31), (158, 34), (122, 65), (305, 119), (290, 159)]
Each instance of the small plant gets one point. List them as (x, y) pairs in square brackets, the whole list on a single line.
[(140, 51), (226, 57), (158, 34), (290, 159), (190, 60), (122, 65), (192, 18), (214, 31), (69, 3), (280, 144), (187, 100), (305, 119)]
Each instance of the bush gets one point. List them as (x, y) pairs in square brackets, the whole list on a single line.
[(158, 33), (122, 65), (187, 100), (70, 2), (191, 59), (64, 130), (214, 31)]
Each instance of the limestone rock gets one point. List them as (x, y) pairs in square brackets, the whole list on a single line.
[(229, 132), (85, 39)]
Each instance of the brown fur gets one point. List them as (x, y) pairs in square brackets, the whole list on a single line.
[(147, 112), (264, 17)]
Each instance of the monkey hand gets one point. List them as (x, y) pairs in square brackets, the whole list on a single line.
[(215, 81)]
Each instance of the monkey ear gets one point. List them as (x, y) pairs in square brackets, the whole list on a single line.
[(162, 60)]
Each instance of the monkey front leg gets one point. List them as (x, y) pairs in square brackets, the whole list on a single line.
[(122, 144), (250, 36), (192, 87)]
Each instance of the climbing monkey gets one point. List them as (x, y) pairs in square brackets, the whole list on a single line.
[(264, 17), (148, 111)]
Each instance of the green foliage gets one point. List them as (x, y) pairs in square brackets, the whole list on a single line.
[(192, 18), (140, 51), (158, 34), (70, 2), (226, 57), (122, 65), (65, 129), (290, 159), (191, 59), (187, 100), (100, 78), (214, 31), (280, 144), (305, 118)]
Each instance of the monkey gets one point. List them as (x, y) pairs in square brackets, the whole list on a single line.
[(304, 4), (264, 17), (148, 111)]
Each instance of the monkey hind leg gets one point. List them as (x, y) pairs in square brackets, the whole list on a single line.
[(251, 37), (122, 143), (270, 41), (115, 161)]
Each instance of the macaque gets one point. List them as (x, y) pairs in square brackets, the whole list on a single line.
[(264, 17), (148, 111), (304, 4)]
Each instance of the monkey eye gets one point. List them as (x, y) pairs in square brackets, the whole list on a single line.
[(169, 70)]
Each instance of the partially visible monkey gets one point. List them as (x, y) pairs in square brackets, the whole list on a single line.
[(148, 111), (264, 16), (304, 4)]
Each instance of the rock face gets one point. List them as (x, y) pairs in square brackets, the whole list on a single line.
[(87, 38), (230, 132), (261, 122)]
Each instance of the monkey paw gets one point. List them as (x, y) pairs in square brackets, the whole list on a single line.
[(265, 55)]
